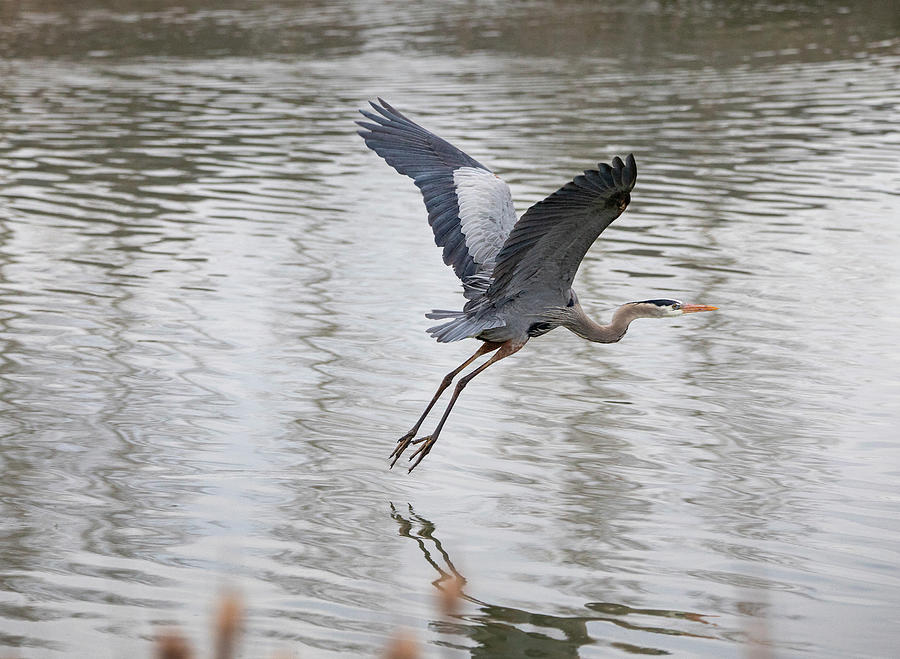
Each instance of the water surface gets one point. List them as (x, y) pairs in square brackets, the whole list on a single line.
[(211, 316)]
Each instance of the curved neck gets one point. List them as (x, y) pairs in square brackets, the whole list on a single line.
[(579, 323)]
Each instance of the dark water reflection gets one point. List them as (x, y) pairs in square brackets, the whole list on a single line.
[(211, 301), (499, 631)]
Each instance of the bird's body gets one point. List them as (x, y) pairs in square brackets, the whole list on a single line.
[(517, 274)]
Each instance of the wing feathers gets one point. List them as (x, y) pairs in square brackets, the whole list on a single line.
[(551, 238), (470, 216)]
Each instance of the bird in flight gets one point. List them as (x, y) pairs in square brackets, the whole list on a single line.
[(516, 273)]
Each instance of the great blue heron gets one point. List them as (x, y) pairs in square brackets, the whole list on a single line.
[(516, 275)]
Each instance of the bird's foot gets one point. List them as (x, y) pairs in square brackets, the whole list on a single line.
[(423, 450), (401, 446)]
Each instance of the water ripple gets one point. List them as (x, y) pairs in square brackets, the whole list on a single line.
[(211, 301)]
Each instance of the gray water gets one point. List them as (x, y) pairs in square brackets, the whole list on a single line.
[(211, 316)]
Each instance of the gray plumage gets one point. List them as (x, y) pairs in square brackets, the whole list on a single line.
[(433, 163), (516, 275), (511, 271)]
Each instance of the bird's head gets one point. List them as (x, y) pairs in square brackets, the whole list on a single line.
[(665, 308)]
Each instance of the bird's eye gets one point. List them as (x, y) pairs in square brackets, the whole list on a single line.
[(676, 306)]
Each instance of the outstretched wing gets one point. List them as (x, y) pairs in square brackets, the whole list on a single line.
[(470, 209), (547, 244)]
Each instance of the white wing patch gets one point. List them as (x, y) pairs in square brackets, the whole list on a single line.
[(486, 213)]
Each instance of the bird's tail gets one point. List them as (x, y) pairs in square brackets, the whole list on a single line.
[(461, 325)]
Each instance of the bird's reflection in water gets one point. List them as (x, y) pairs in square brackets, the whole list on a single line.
[(502, 631)]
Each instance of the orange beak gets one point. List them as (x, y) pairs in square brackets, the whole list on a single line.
[(696, 308)]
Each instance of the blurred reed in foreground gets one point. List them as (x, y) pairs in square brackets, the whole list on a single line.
[(171, 644)]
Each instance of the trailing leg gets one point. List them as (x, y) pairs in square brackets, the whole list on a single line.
[(506, 349), (407, 439)]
